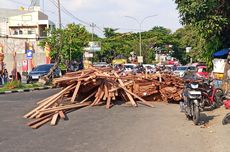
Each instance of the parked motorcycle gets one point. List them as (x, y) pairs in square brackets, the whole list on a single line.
[(192, 101), (211, 97)]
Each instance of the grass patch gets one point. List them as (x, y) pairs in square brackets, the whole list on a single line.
[(16, 85)]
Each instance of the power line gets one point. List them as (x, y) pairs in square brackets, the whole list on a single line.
[(64, 10), (18, 2)]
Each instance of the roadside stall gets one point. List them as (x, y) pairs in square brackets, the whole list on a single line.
[(219, 68)]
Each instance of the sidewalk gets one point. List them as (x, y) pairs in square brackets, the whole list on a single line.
[(27, 89)]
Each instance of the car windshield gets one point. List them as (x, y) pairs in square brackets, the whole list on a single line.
[(181, 68), (43, 68), (201, 70), (192, 68), (129, 66)]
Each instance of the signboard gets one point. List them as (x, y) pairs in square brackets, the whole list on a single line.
[(88, 55), (93, 46), (218, 65), (140, 59), (24, 65), (188, 49), (29, 54)]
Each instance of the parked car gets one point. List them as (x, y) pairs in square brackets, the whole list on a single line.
[(183, 71), (42, 70), (150, 69), (100, 64), (202, 72), (129, 67)]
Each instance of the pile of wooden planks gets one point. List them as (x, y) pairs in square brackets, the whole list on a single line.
[(171, 88), (84, 88), (102, 86)]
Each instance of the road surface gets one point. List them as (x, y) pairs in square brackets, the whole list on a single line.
[(120, 129)]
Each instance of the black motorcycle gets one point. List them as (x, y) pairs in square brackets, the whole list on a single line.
[(192, 101)]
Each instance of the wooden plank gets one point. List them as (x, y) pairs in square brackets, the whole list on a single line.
[(88, 97), (75, 92), (106, 92), (47, 102), (108, 102), (38, 120), (54, 119), (62, 115), (123, 86), (41, 101), (72, 106), (100, 97), (136, 96), (37, 125)]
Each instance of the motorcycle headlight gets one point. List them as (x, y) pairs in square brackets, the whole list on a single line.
[(194, 86)]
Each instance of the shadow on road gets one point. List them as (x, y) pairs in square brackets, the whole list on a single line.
[(205, 118)]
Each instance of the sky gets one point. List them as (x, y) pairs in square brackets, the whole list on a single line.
[(110, 13)]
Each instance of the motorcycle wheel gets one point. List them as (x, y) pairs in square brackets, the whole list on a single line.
[(196, 114), (218, 97), (226, 119), (188, 117)]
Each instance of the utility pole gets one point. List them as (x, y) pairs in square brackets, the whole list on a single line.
[(93, 26), (140, 30), (59, 14)]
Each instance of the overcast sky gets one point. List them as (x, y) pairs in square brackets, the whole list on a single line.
[(111, 13)]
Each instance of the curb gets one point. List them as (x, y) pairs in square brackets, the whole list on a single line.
[(28, 90)]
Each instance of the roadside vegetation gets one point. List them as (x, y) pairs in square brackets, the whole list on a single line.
[(17, 85)]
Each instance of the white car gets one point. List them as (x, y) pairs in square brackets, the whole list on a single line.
[(129, 67)]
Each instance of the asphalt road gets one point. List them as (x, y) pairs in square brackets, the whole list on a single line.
[(120, 129)]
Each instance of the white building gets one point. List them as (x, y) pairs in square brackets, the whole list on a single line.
[(18, 26)]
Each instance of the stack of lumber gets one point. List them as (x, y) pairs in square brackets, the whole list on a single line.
[(84, 88), (171, 88)]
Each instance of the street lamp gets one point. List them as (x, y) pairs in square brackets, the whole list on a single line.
[(140, 23)]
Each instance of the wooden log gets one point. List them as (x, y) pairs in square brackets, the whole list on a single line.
[(54, 119)]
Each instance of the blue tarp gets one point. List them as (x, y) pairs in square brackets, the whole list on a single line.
[(221, 53)]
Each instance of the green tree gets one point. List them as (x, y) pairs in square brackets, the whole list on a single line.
[(68, 43), (110, 32), (210, 19)]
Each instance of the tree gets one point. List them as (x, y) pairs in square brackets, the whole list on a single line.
[(109, 32), (210, 19), (66, 44)]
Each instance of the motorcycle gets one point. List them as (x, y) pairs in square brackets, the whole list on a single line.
[(192, 101), (211, 97)]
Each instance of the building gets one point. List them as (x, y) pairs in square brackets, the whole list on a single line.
[(21, 26)]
